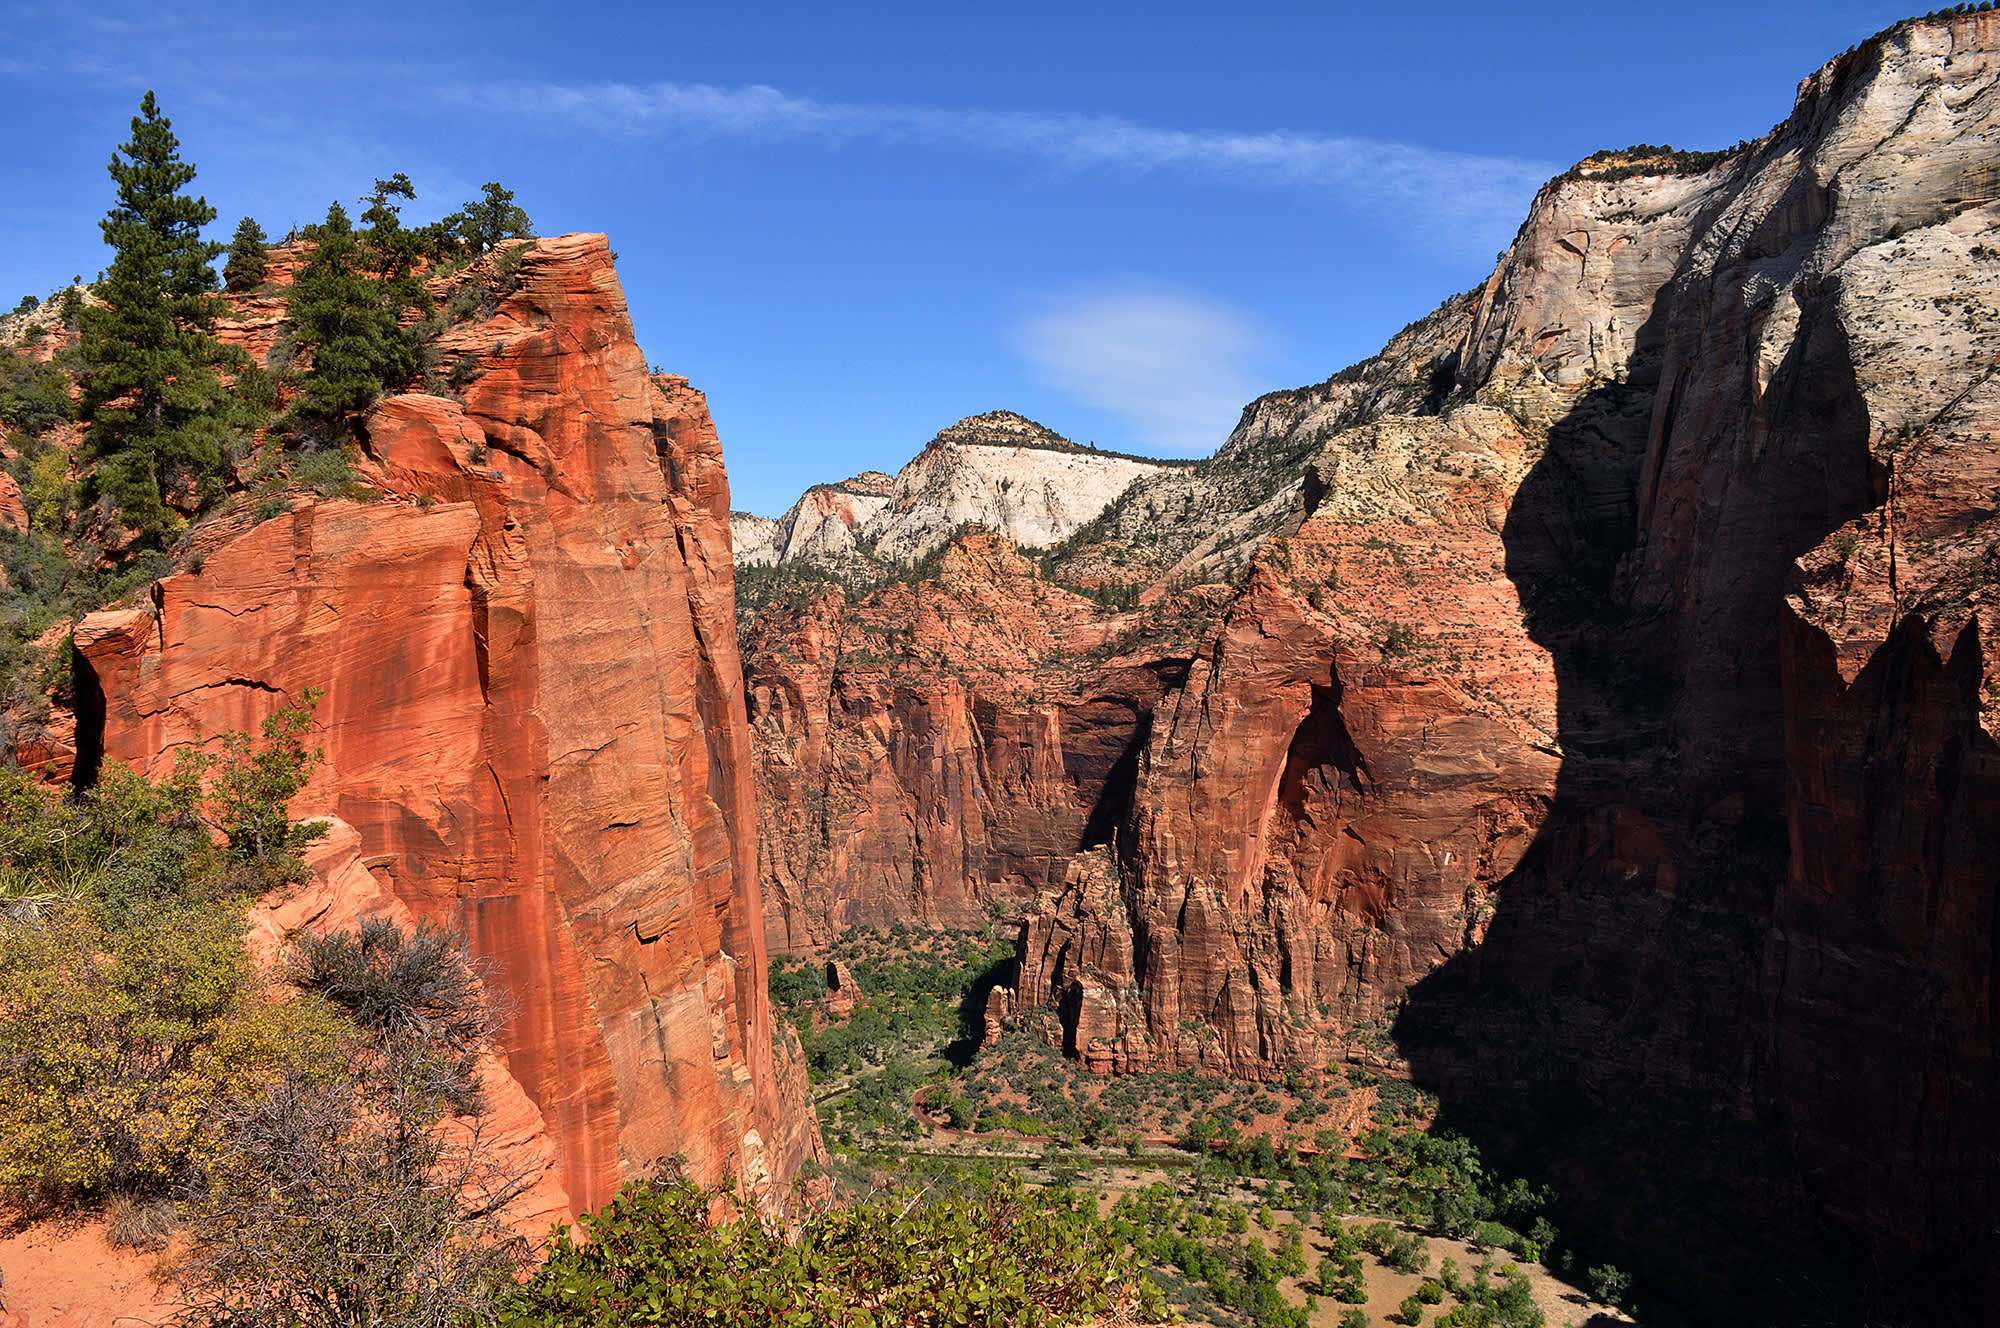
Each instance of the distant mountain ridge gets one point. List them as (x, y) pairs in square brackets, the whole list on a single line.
[(1000, 470)]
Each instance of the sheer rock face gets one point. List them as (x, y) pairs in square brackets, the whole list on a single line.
[(939, 750), (1035, 491), (820, 528), (1749, 959), (533, 717)]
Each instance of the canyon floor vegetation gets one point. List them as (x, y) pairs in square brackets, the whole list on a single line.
[(1319, 1199)]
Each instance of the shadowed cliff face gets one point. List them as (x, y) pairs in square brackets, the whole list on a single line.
[(1737, 997), (533, 718)]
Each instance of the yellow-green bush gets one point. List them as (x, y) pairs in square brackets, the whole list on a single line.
[(129, 1013), (117, 1047)]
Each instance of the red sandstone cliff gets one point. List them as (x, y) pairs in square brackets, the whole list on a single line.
[(938, 751), (533, 717)]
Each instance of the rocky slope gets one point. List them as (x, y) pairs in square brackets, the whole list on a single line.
[(1206, 521), (1608, 707), (533, 718)]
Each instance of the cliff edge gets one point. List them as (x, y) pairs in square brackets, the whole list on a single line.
[(533, 718)]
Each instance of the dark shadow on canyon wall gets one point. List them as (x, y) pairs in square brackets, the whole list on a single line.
[(1618, 1031), (1112, 807)]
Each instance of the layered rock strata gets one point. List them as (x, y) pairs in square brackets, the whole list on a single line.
[(533, 717), (821, 528)]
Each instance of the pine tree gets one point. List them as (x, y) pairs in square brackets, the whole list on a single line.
[(390, 252), (248, 257), (337, 312), (493, 217), (159, 416)]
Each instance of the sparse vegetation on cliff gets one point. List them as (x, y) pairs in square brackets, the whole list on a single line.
[(1004, 428), (790, 586), (1948, 12), (1647, 159), (127, 419)]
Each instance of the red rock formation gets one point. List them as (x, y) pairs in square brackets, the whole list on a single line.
[(1623, 728), (941, 749), (533, 717), (1750, 959), (13, 512), (843, 992), (1317, 825)]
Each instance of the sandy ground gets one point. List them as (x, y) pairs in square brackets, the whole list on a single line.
[(64, 1275)]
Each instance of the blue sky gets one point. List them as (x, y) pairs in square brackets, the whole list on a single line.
[(852, 225)]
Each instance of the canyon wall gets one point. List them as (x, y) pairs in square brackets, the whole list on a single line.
[(1749, 964), (522, 621), (937, 752), (1606, 709)]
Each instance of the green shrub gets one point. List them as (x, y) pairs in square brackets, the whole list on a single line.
[(374, 1173), (668, 1252), (249, 788), (400, 987), (794, 983), (326, 472), (1609, 1284), (122, 1047), (34, 397)]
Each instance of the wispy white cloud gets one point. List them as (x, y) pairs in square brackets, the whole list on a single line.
[(1439, 185), (1177, 366)]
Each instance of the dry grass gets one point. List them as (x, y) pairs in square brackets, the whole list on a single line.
[(139, 1224)]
